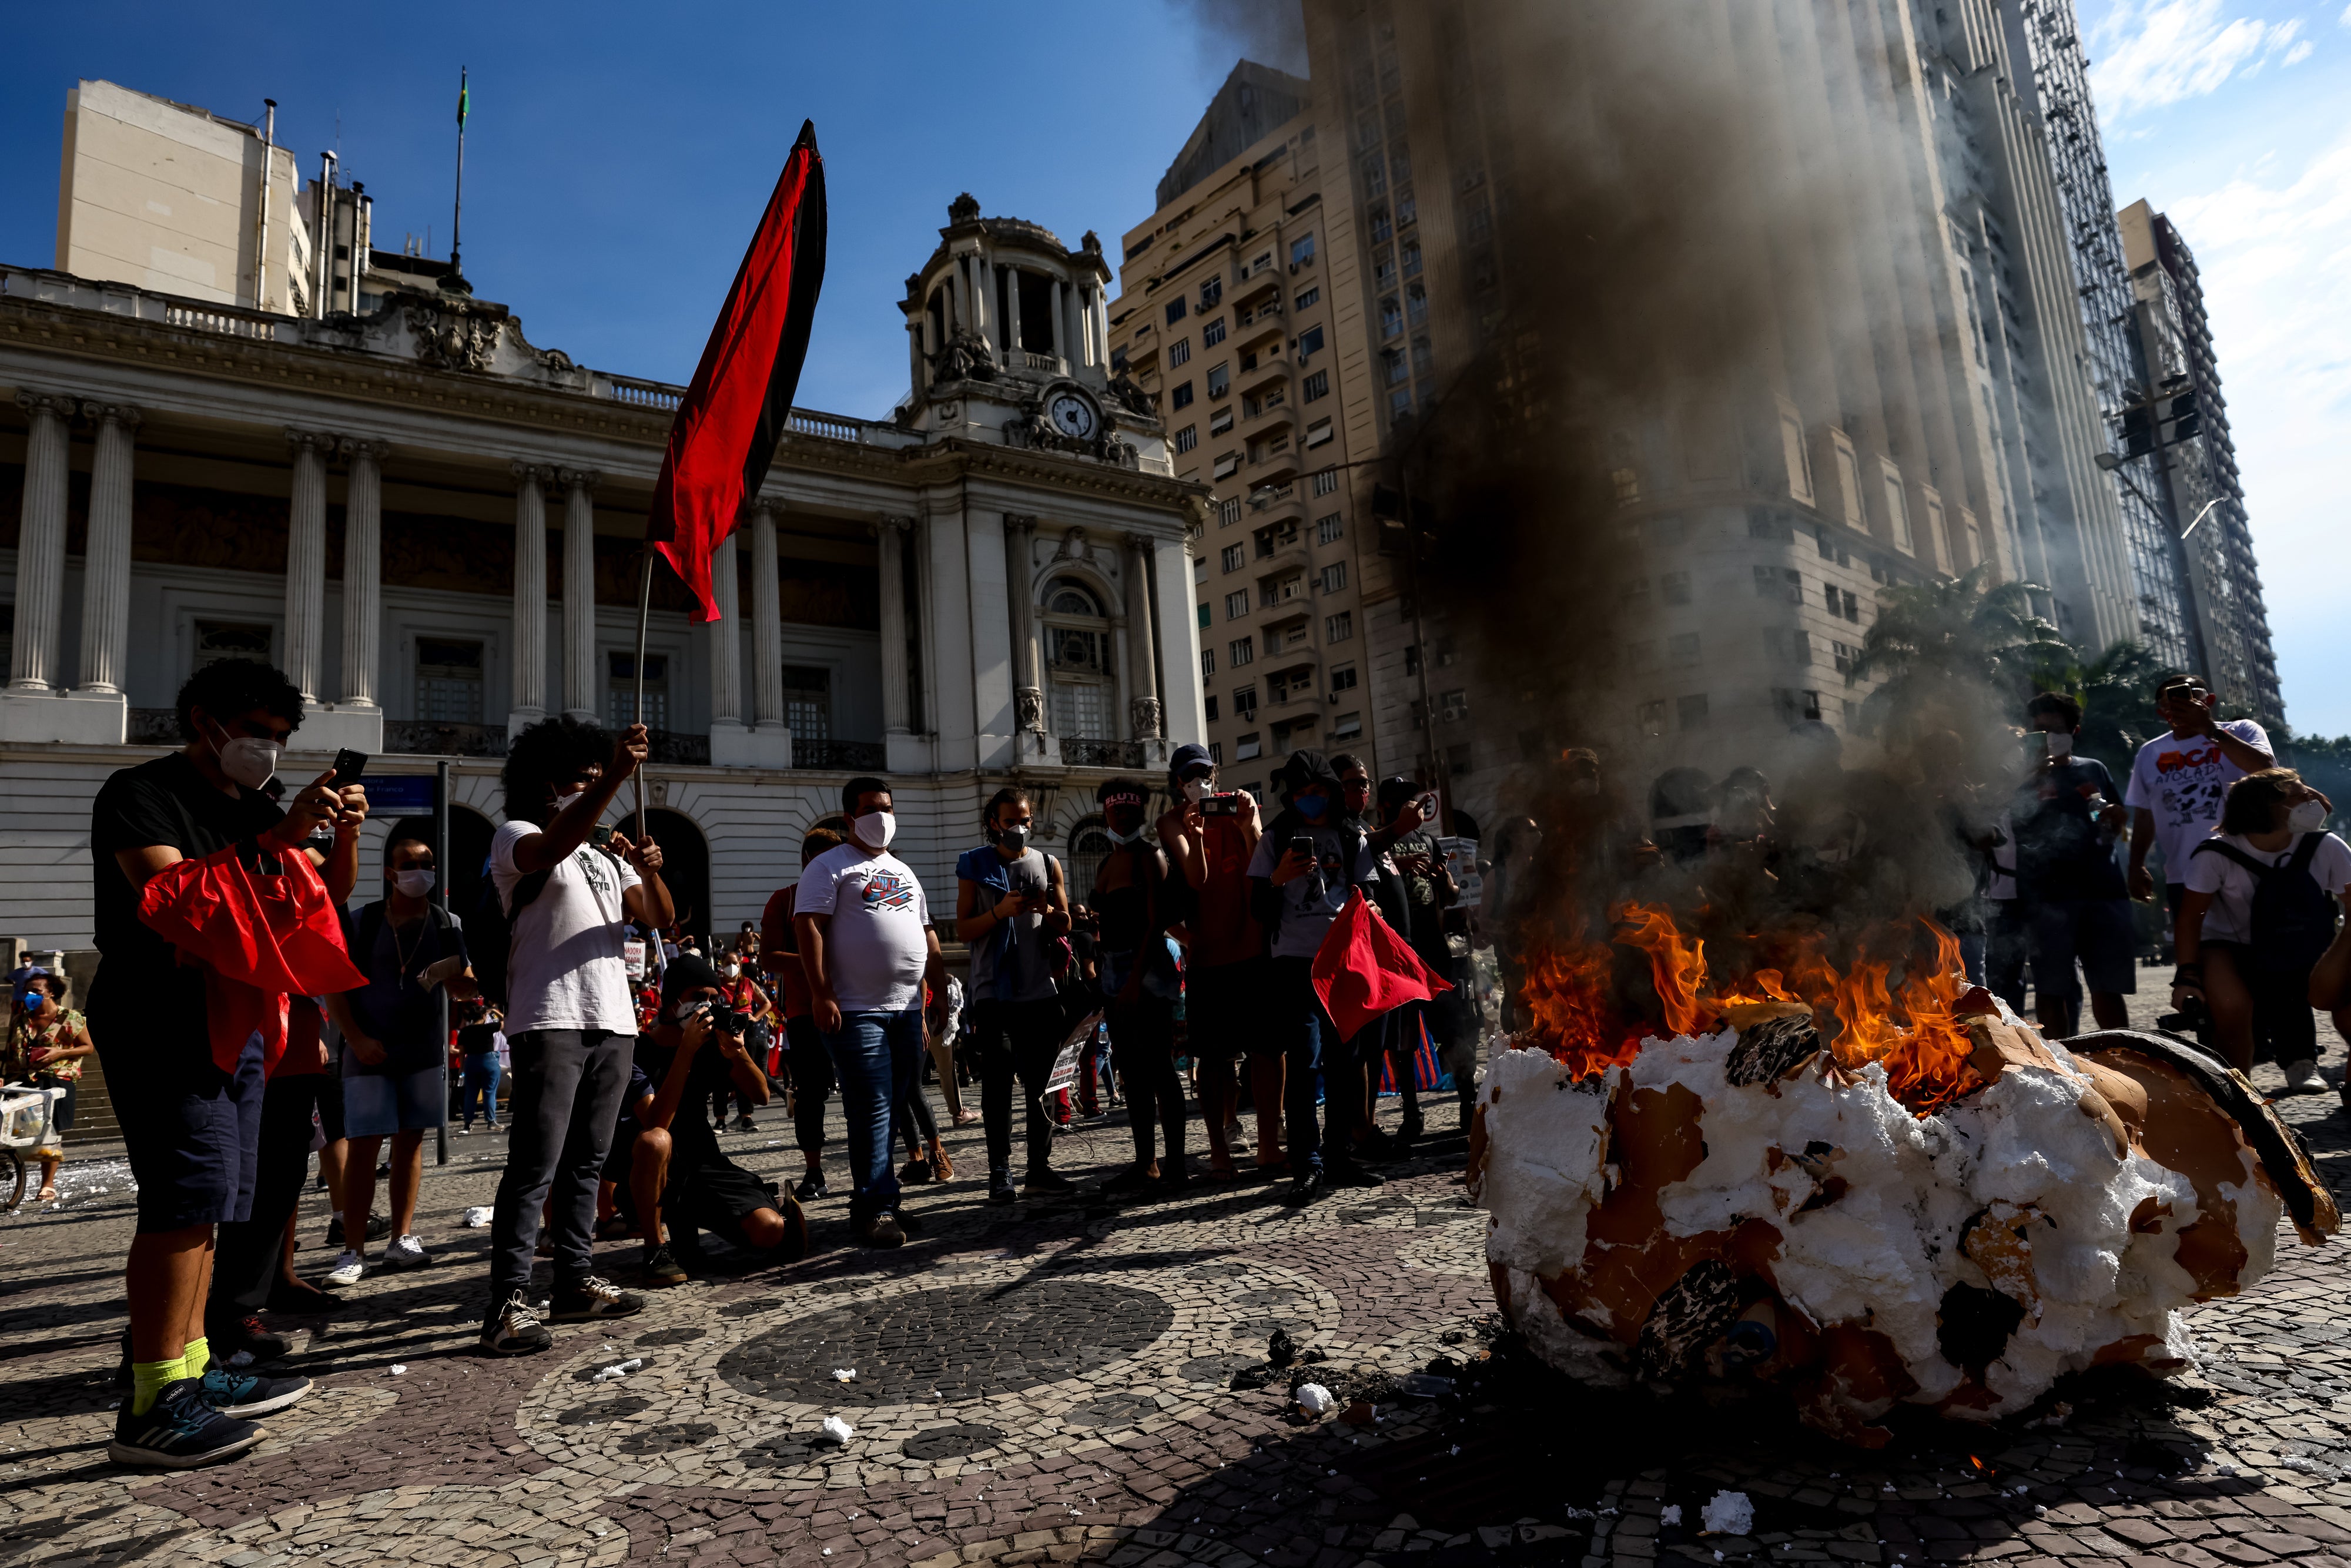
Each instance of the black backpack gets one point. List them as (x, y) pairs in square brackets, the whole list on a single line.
[(489, 931), (2294, 917)]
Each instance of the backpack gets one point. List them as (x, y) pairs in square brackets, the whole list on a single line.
[(489, 926), (2292, 916)]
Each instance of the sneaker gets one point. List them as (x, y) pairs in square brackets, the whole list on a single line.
[(179, 1432), (1043, 1179), (465, 1131), (244, 1336), (1304, 1190), (406, 1253), (2302, 1078), (1000, 1188), (881, 1230), (660, 1270), (378, 1227), (810, 1188), (347, 1270), (243, 1394), (745, 1124), (941, 1162), (513, 1328), (914, 1173), (579, 1301)]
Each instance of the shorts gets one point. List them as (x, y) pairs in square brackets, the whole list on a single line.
[(717, 1196), (2096, 933), (624, 1149), (330, 1106), (190, 1130), (1225, 1009), (376, 1104)]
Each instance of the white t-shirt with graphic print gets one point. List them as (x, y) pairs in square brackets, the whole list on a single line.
[(2184, 784), (566, 969), (2230, 916), (878, 942)]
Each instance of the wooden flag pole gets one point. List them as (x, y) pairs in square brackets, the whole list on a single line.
[(644, 613)]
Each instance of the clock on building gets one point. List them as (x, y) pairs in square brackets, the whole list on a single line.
[(1072, 415)]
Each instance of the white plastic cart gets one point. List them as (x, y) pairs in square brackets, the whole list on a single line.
[(25, 1116)]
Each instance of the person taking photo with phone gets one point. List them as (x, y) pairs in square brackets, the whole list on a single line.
[(1209, 836), (1012, 909)]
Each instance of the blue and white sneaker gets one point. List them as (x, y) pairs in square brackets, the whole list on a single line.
[(242, 1394), (180, 1432)]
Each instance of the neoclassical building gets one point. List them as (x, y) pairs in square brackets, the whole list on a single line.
[(433, 526)]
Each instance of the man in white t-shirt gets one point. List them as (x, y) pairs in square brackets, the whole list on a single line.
[(865, 939), (569, 1024), (2179, 781)]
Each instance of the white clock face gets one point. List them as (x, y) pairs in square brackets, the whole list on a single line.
[(1072, 415)]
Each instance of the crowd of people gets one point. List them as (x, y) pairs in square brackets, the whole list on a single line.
[(566, 1013)]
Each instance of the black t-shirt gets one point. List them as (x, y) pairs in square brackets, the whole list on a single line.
[(2060, 851), (694, 1142), (166, 802)]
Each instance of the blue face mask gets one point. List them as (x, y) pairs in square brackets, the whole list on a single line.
[(1312, 807)]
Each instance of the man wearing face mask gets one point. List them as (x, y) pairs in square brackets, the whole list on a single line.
[(192, 1127), (865, 939), (2179, 782), (1318, 852), (744, 995), (1210, 836), (571, 1025), (1141, 980), (1415, 889), (2067, 814), (392, 1045), (1013, 911)]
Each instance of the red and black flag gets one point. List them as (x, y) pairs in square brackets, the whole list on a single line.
[(732, 416)]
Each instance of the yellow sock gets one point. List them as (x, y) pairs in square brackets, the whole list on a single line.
[(147, 1381), (198, 1357)]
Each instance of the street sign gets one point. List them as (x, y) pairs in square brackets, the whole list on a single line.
[(399, 794)]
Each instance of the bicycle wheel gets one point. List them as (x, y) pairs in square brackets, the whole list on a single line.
[(12, 1179)]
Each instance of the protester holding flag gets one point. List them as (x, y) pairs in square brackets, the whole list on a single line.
[(1415, 890)]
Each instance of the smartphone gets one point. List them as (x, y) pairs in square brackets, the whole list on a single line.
[(1302, 846), (348, 765), (601, 834)]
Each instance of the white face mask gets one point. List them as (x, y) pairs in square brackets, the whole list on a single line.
[(415, 881), (875, 829), (1195, 789), (248, 761), (565, 797), (728, 971), (2307, 816), (2061, 744)]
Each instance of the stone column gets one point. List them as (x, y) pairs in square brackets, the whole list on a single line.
[(306, 564), (1064, 344), (579, 592), (1028, 661), (106, 560), (1011, 310), (726, 638), (1141, 680), (767, 621), (890, 538), (363, 575), (918, 372), (1101, 327), (32, 664), (529, 702)]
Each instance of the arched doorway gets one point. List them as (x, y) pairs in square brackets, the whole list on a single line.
[(469, 854), (686, 866), (1089, 845)]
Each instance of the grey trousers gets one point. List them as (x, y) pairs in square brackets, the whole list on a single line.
[(567, 1084)]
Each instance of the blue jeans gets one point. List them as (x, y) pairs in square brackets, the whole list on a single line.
[(874, 1060), (482, 1075), (1313, 1046)]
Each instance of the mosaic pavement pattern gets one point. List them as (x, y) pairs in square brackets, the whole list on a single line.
[(1053, 1384)]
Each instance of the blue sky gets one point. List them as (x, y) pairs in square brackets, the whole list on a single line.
[(618, 156)]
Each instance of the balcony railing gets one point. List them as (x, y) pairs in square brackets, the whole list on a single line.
[(677, 748), (841, 756), (429, 738), (1081, 752), (152, 727)]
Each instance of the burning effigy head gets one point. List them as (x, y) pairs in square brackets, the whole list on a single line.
[(1864, 1186)]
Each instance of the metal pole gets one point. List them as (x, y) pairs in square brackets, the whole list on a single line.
[(644, 613), (440, 993), (458, 216), (261, 224)]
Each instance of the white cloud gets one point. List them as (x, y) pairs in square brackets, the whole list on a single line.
[(2150, 53), (2300, 52)]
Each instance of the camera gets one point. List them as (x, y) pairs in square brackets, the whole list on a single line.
[(1227, 804), (725, 1019)]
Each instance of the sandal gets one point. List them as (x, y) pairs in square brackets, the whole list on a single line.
[(46, 1195)]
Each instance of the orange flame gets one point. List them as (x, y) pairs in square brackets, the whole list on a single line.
[(1909, 1028)]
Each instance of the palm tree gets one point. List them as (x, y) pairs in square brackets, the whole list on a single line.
[(1953, 648)]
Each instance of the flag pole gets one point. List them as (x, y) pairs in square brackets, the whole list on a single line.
[(644, 613), (456, 218)]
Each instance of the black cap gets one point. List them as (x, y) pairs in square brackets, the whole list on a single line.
[(1117, 790), (687, 972)]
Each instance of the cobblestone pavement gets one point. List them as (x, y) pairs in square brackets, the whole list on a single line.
[(1056, 1384)]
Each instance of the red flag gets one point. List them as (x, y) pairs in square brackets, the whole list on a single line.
[(730, 419), (1363, 969)]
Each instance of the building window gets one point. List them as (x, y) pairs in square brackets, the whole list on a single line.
[(1460, 760), (1317, 385), (1780, 582), (1383, 227), (1391, 319), (1851, 608), (808, 702), (1228, 512), (1213, 333), (1082, 710), (1424, 357), (1089, 845), (1221, 381), (1453, 707), (1682, 648), (1211, 290), (1383, 270), (1179, 352), (1627, 483), (1241, 650), (1841, 656), (1793, 644), (1412, 269), (1318, 433), (620, 690), (1207, 662), (1227, 464), (1335, 577), (1326, 529), (1246, 746), (1347, 725), (1210, 702), (1340, 627), (1326, 482), (1301, 250), (1652, 719), (1118, 358), (1690, 712), (1221, 420), (1343, 679), (1245, 703), (1217, 750), (1181, 397), (448, 680), (1237, 604), (1308, 297), (218, 640), (1674, 587), (1376, 176), (1187, 438), (1309, 343), (1077, 659), (1234, 557), (1174, 311), (1796, 707), (1400, 405)]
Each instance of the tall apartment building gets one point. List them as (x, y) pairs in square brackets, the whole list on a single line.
[(2197, 462), (1235, 298), (1897, 387), (2059, 90)]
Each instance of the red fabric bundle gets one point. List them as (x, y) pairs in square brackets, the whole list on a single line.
[(256, 939), (1364, 969)]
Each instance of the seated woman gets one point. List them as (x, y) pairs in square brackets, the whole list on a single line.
[(679, 1183), (2259, 920)]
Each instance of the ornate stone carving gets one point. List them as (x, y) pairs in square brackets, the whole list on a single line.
[(570, 479), (965, 357), (1143, 714), (1074, 546), (62, 405), (1029, 703), (450, 338), (964, 209), (1128, 393), (121, 413)]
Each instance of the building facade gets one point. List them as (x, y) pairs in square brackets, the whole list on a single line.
[(434, 527), (1237, 318), (2193, 458)]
